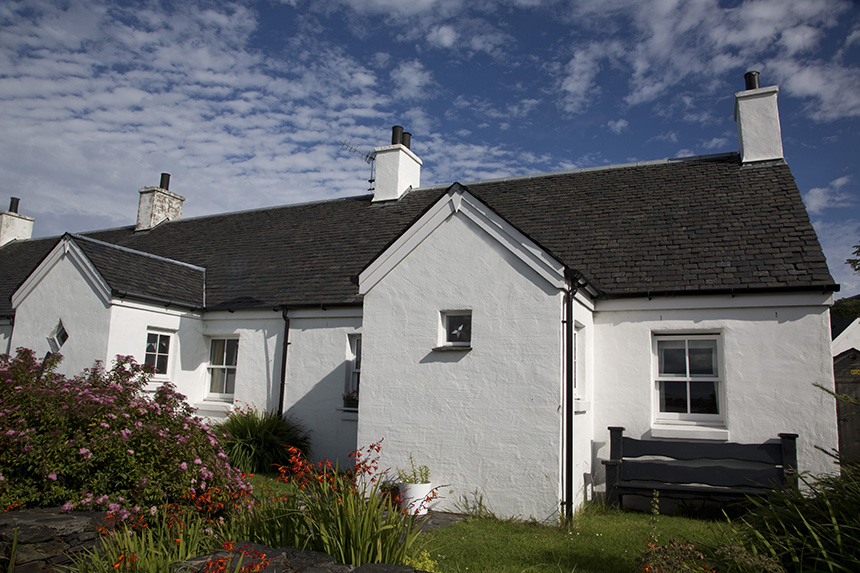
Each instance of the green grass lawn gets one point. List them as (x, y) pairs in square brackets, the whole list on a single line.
[(596, 541)]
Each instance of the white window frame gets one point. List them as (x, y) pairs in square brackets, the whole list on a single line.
[(445, 329), (226, 368), (678, 418), (169, 355), (58, 337)]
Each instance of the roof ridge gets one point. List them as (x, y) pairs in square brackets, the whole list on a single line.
[(665, 161), (136, 252)]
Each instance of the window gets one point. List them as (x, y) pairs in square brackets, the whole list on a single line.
[(58, 337), (353, 379), (157, 352), (456, 328), (222, 368), (689, 380)]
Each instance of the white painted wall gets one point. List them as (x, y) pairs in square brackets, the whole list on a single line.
[(131, 321), (64, 293), (775, 348), (487, 420), (317, 372)]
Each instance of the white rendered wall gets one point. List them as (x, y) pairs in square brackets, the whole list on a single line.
[(775, 349), (486, 420), (317, 371), (131, 321), (64, 293)]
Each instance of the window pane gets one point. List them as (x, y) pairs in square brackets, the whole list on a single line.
[(673, 397), (357, 353), (150, 359), (703, 398), (216, 385), (672, 357), (229, 381), (216, 356), (163, 344), (161, 364), (151, 342), (703, 358), (232, 351), (459, 328)]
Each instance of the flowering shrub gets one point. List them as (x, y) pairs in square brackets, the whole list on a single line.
[(99, 441)]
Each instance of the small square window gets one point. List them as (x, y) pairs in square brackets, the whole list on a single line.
[(157, 352), (456, 328)]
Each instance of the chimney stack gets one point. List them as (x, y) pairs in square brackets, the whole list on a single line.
[(757, 116), (157, 204), (14, 226), (397, 169)]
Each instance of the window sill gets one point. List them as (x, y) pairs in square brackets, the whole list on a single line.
[(214, 406), (452, 349), (690, 432), (348, 414), (580, 406)]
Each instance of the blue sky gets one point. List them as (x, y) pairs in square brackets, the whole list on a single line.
[(245, 103)]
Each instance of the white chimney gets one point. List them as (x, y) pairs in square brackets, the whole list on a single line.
[(13, 225), (757, 116), (158, 204), (397, 169)]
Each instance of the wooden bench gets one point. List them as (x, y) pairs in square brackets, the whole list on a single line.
[(682, 469)]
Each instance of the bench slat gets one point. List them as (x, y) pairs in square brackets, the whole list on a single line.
[(770, 453), (636, 470)]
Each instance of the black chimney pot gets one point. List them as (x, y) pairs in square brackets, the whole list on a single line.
[(406, 140), (396, 135), (165, 181), (751, 80), (13, 205)]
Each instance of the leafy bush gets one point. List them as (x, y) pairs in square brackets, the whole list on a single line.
[(257, 442), (816, 527), (99, 441)]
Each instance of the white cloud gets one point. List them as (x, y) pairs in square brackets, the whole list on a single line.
[(618, 126), (442, 36), (833, 90), (818, 199), (837, 240), (715, 143), (411, 80)]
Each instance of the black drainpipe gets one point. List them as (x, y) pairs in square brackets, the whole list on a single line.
[(568, 406), (284, 313)]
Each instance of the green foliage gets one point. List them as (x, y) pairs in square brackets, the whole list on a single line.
[(346, 515), (257, 442), (855, 263), (598, 539), (100, 441), (849, 307), (815, 527), (416, 474), (172, 537), (677, 554)]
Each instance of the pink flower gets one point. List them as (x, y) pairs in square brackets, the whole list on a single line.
[(52, 476), (152, 510), (68, 507), (183, 466)]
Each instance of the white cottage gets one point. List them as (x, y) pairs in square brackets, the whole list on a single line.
[(496, 328)]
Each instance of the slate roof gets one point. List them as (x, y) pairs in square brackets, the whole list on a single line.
[(152, 278), (692, 226)]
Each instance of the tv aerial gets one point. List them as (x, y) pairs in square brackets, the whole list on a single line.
[(369, 158)]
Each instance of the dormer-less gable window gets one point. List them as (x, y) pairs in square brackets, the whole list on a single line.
[(58, 337), (455, 329)]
